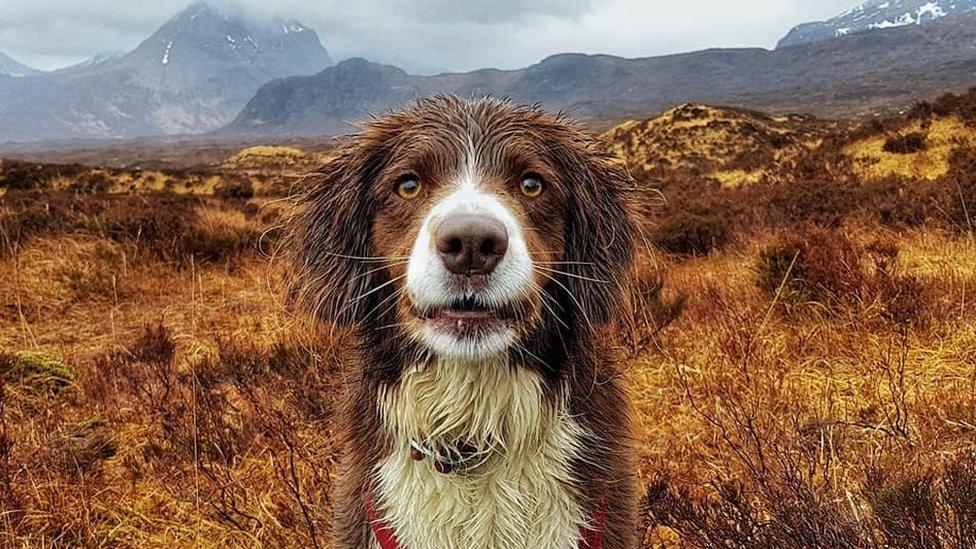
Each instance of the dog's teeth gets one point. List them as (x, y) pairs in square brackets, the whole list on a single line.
[(460, 324)]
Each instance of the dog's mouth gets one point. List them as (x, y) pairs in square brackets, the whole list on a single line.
[(469, 316)]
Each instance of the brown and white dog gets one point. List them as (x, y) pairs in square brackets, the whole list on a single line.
[(476, 248)]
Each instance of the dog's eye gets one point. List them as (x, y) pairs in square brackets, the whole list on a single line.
[(408, 187), (531, 185)]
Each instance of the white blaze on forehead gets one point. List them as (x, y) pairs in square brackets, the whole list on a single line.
[(429, 284)]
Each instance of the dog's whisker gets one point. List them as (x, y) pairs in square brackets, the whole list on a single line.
[(369, 259), (571, 296), (378, 288), (390, 326), (572, 275), (378, 269), (394, 296), (566, 263), (544, 299)]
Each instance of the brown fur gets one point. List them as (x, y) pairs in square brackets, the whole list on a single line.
[(350, 213)]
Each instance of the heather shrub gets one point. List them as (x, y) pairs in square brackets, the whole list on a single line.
[(909, 143), (962, 105), (221, 410), (827, 267), (93, 182), (235, 189), (25, 176), (959, 497), (814, 264), (809, 201), (959, 189), (696, 231), (20, 178), (904, 503), (901, 204)]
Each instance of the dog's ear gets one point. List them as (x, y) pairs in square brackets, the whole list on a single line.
[(600, 232), (329, 237)]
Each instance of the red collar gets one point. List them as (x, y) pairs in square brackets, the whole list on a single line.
[(591, 536)]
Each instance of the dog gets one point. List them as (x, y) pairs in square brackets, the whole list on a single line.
[(476, 248)]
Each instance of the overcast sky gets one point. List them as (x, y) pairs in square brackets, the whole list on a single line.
[(428, 35)]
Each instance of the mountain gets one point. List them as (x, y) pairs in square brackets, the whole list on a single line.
[(93, 61), (851, 75), (876, 14), (11, 67), (192, 75)]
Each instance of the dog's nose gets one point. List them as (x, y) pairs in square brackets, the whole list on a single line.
[(471, 244)]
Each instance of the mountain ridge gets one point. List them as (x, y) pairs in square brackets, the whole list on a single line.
[(850, 75), (15, 69)]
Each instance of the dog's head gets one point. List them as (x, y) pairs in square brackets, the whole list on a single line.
[(469, 227)]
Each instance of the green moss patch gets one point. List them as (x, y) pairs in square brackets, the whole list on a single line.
[(40, 373)]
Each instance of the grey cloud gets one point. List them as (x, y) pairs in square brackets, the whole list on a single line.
[(490, 12), (426, 35)]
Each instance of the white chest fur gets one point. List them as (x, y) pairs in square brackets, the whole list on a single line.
[(521, 497)]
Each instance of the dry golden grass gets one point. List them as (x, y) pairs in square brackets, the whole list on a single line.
[(766, 417), (268, 157), (238, 450), (944, 135)]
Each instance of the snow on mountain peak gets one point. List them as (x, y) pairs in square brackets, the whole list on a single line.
[(876, 14)]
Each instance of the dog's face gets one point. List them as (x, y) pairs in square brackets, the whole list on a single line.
[(471, 228)]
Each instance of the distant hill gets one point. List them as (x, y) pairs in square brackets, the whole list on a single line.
[(13, 68), (192, 75), (732, 146), (851, 75), (736, 147), (876, 14)]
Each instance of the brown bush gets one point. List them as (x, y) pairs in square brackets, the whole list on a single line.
[(25, 176), (243, 400), (694, 232), (909, 143), (813, 265), (93, 182), (902, 204), (958, 196), (648, 309), (819, 202), (962, 105), (235, 189), (827, 267)]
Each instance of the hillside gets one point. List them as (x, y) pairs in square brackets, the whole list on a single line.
[(852, 75), (733, 146), (736, 147)]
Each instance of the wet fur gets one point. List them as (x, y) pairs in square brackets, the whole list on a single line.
[(346, 214)]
